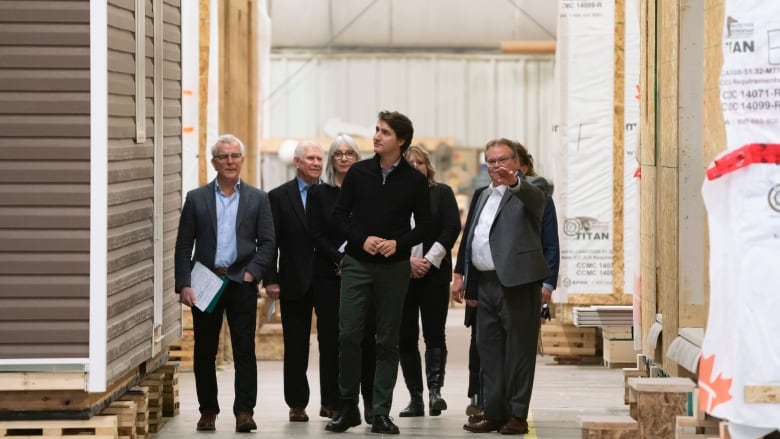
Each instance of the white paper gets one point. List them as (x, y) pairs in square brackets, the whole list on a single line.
[(206, 284)]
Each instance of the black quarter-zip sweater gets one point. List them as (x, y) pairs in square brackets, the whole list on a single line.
[(368, 207)]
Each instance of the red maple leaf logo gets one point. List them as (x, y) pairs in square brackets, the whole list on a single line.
[(712, 392)]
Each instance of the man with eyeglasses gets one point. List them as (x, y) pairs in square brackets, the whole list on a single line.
[(229, 224), (500, 269), (290, 280)]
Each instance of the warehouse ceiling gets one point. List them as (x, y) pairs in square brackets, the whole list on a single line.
[(388, 25)]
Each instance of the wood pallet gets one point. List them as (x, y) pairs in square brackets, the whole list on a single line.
[(97, 427)]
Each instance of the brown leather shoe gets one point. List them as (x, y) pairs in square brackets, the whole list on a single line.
[(298, 414), (484, 426), (515, 426), (326, 411), (207, 422), (476, 417), (245, 423)]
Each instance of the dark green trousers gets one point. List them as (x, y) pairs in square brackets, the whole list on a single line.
[(363, 285)]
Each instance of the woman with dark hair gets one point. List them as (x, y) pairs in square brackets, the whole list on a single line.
[(428, 295)]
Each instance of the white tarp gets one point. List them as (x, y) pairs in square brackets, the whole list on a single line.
[(584, 139), (740, 346)]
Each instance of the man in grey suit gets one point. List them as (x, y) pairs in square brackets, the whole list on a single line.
[(500, 269), (230, 225)]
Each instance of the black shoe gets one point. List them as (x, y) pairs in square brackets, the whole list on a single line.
[(348, 417), (435, 402), (414, 409), (384, 425)]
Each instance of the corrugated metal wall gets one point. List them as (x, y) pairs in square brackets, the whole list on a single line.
[(44, 179), (470, 97), (131, 186)]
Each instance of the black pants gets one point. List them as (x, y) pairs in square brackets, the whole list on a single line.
[(474, 363), (429, 301), (239, 303), (323, 298)]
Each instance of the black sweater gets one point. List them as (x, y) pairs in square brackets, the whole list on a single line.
[(367, 207)]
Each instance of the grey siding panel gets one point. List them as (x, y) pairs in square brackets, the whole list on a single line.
[(44, 240), (24, 34), (52, 148), (44, 217), (44, 125), (131, 186), (172, 165), (42, 194), (44, 80), (44, 287), (25, 309), (44, 102), (43, 171), (39, 12), (45, 57)]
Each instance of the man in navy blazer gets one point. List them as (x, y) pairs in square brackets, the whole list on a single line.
[(291, 282), (229, 224), (500, 268)]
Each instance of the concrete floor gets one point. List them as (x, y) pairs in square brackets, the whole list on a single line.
[(561, 394)]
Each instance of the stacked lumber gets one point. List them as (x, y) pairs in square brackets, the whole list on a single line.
[(125, 412), (140, 396), (154, 382), (170, 395), (566, 342)]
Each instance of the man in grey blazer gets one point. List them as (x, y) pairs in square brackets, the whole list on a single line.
[(229, 223), (500, 269)]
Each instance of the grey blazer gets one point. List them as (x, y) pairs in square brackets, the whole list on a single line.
[(198, 227), (515, 236)]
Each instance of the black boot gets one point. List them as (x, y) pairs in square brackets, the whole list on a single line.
[(411, 366), (435, 362), (349, 416)]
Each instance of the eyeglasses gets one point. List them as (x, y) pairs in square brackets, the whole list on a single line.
[(499, 161), (348, 154), (223, 157)]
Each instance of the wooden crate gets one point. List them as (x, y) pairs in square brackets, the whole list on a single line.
[(656, 403), (609, 427), (565, 340), (618, 353), (97, 427)]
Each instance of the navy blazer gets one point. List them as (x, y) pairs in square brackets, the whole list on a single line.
[(198, 227), (293, 241)]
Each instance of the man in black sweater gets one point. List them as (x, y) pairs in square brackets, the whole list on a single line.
[(378, 197)]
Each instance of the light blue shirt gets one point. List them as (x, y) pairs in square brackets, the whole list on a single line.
[(227, 210), (303, 189), (386, 172)]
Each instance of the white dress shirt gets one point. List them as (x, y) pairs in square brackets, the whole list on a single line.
[(480, 242)]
